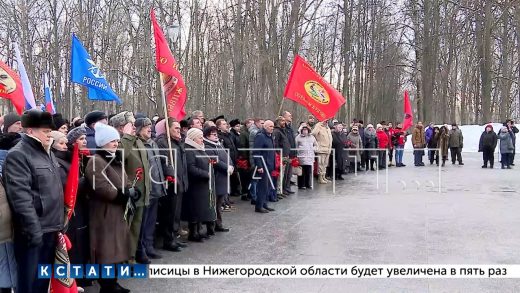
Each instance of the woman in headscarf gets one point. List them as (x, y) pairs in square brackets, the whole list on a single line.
[(198, 205), (355, 144)]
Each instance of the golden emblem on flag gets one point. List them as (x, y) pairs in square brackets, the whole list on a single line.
[(317, 92)]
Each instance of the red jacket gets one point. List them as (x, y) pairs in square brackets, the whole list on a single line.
[(382, 137), (399, 137)]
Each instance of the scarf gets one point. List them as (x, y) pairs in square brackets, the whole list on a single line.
[(192, 143)]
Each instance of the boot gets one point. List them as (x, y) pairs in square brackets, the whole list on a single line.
[(201, 232), (210, 227), (443, 163), (193, 234), (322, 179)]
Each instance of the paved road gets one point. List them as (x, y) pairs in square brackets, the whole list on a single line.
[(473, 218)]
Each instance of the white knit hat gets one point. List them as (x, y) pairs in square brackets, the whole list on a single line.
[(370, 125), (105, 134), (193, 133)]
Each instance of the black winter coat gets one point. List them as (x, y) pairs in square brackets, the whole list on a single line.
[(281, 141), (227, 142), (198, 203), (218, 153), (34, 190), (292, 139), (339, 141), (179, 156), (488, 141), (264, 141)]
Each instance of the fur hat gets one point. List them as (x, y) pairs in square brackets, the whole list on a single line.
[(10, 119), (193, 133), (234, 122), (35, 118), (140, 123), (122, 119), (94, 116), (59, 121), (56, 136), (105, 134), (76, 133)]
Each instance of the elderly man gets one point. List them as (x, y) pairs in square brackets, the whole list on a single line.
[(198, 114), (35, 193), (135, 157), (264, 162)]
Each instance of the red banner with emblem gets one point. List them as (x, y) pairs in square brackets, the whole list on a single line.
[(172, 82), (408, 113), (306, 87), (11, 87)]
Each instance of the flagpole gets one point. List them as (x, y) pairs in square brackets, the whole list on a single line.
[(167, 126)]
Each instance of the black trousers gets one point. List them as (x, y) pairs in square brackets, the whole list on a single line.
[(305, 179), (235, 184), (287, 174), (245, 179), (507, 159), (433, 156), (456, 155), (390, 154), (145, 243), (170, 216), (488, 156), (220, 202), (28, 258)]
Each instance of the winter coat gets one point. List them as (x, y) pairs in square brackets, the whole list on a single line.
[(323, 136), (371, 142), (355, 145), (281, 141), (456, 139), (429, 133), (198, 203), (488, 141), (34, 190), (220, 169), (253, 131), (390, 133), (6, 225), (235, 137), (264, 146), (399, 138), (227, 143), (382, 138), (418, 137), (433, 143), (444, 142), (7, 142), (506, 143), (136, 156), (77, 230), (306, 146), (179, 169), (244, 144), (292, 138), (109, 232), (157, 182), (339, 140)]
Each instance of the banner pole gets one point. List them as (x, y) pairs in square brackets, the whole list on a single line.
[(167, 126)]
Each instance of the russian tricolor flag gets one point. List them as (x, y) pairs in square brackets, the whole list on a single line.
[(49, 104), (26, 85)]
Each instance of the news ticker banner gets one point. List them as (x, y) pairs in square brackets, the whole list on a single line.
[(208, 271)]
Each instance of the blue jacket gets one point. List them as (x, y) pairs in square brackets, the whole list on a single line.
[(429, 134), (265, 141), (91, 141)]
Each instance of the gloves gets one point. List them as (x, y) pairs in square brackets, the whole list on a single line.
[(129, 193), (230, 170), (121, 198)]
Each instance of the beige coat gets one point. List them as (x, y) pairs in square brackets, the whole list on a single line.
[(6, 228), (323, 136)]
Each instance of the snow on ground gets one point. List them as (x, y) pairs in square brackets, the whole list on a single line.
[(471, 134)]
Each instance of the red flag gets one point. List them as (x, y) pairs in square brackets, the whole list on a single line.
[(71, 186), (11, 87), (305, 86), (408, 114), (61, 257), (173, 84)]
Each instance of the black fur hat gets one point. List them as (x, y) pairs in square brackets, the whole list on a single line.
[(37, 119)]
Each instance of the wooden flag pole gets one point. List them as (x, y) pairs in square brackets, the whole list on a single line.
[(167, 126)]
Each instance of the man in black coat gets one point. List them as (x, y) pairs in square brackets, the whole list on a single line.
[(264, 161), (35, 193), (281, 141), (228, 142), (291, 136), (176, 174)]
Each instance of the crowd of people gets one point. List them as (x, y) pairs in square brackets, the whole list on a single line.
[(149, 182)]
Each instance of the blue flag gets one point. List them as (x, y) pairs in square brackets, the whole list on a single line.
[(85, 72)]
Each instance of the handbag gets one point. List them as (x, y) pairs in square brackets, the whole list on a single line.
[(297, 171)]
